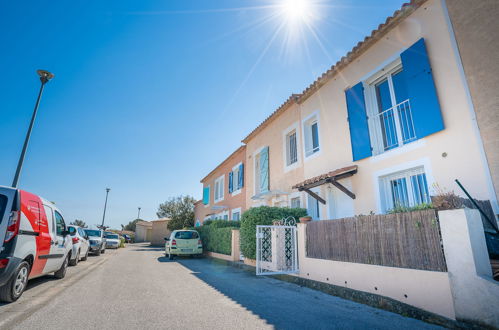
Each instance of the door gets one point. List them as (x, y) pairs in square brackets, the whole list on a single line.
[(340, 205), (84, 245)]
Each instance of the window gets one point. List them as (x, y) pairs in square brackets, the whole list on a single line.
[(219, 189), (236, 214), (295, 202), (291, 149), (262, 171), (313, 207), (311, 135), (59, 223), (405, 189), (206, 195), (186, 235), (236, 179)]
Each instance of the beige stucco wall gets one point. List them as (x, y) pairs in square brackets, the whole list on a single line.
[(424, 289), (280, 177), (159, 232), (141, 232), (458, 140), (476, 28)]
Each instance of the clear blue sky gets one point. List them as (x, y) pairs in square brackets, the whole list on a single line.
[(150, 95)]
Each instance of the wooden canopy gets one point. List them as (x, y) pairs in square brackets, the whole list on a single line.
[(330, 177)]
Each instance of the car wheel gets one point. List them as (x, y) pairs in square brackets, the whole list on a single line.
[(62, 271), (74, 262), (15, 287), (103, 251), (97, 253), (170, 256), (85, 257)]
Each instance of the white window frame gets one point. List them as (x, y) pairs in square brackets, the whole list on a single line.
[(423, 163), (294, 127), (236, 210), (221, 185), (220, 215), (307, 122), (236, 180), (372, 110)]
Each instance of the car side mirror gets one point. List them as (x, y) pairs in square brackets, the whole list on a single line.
[(86, 237), (65, 233), (167, 239)]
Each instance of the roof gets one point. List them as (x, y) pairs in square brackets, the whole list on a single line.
[(243, 147), (291, 100), (336, 174), (144, 223), (162, 219), (360, 48)]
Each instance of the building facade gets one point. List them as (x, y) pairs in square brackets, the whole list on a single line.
[(387, 126), (224, 190)]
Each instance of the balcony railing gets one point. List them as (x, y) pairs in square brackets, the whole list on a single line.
[(397, 126)]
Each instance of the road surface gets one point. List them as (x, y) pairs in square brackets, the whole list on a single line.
[(138, 288)]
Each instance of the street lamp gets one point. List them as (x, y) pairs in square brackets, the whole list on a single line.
[(45, 76), (105, 206), (138, 214)]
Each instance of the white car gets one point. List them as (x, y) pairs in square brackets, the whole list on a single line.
[(80, 245), (112, 240)]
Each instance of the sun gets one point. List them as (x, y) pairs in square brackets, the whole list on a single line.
[(297, 11)]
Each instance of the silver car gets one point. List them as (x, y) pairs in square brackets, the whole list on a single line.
[(81, 245), (97, 241), (112, 241)]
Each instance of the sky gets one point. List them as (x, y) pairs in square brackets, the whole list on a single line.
[(149, 96)]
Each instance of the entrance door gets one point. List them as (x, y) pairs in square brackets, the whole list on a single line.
[(340, 205)]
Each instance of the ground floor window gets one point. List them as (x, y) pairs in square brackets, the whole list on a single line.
[(405, 189), (295, 202), (236, 214), (313, 207)]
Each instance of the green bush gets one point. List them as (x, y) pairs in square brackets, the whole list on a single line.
[(222, 223), (263, 215), (122, 242), (217, 240)]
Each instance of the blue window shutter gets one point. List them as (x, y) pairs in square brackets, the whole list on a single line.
[(357, 118), (231, 182), (425, 108), (240, 184), (264, 170), (206, 195)]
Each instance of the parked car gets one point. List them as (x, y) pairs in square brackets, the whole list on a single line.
[(81, 245), (127, 238), (34, 241), (112, 241), (183, 243), (97, 241)]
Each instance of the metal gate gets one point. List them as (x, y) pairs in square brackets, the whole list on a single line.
[(276, 248)]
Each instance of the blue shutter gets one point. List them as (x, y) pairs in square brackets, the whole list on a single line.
[(264, 170), (231, 182), (425, 108), (240, 183), (206, 195), (357, 118)]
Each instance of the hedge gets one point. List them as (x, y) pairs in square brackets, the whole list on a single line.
[(217, 235), (263, 215)]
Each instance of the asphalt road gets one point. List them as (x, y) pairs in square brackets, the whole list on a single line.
[(138, 288)]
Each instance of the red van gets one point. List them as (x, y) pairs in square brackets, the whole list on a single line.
[(34, 241)]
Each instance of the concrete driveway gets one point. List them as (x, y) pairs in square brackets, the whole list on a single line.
[(139, 288)]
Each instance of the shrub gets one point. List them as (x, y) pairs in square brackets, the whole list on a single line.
[(222, 223), (217, 240), (122, 242), (263, 215), (419, 207)]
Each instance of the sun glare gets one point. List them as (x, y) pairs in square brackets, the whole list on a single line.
[(297, 11)]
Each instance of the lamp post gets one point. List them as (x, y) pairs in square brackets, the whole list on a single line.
[(138, 214), (45, 76), (105, 206)]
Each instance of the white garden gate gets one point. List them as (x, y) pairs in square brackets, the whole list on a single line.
[(276, 248)]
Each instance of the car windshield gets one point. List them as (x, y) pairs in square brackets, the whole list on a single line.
[(186, 235), (3, 203), (112, 236), (91, 232)]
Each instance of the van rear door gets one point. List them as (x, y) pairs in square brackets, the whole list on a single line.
[(7, 196)]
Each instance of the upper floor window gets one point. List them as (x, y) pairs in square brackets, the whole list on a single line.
[(311, 135), (236, 179), (219, 189), (206, 195), (395, 106), (291, 148), (262, 171)]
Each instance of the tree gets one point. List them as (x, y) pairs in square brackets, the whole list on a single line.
[(180, 210), (79, 223), (131, 225)]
